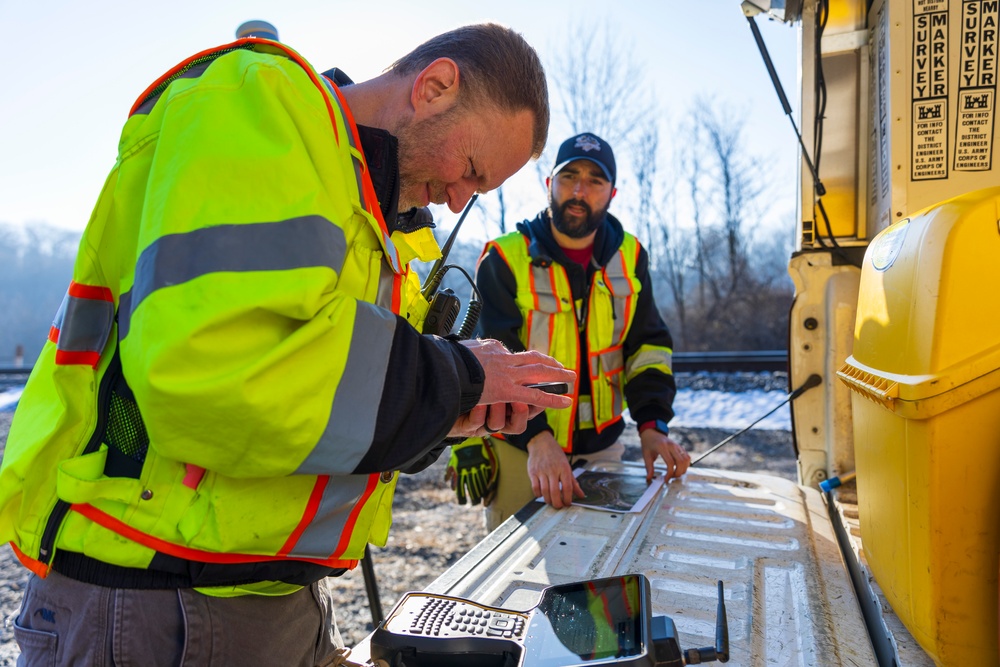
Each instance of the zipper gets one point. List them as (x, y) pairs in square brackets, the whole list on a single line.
[(61, 508), (194, 63)]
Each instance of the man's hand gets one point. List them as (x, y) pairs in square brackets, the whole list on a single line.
[(484, 420), (550, 473), (507, 403), (507, 373), (473, 468), (657, 445)]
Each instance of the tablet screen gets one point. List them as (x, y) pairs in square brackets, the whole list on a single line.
[(587, 622)]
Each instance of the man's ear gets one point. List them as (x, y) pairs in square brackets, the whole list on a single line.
[(435, 88), (548, 182), (614, 191)]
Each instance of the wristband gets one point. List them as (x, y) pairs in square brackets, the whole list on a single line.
[(656, 425)]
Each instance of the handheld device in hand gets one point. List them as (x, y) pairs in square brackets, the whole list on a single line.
[(593, 623), (551, 387)]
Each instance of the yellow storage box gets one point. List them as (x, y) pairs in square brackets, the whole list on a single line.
[(925, 376)]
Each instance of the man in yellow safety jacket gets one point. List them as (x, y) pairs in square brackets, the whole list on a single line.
[(573, 284), (231, 383)]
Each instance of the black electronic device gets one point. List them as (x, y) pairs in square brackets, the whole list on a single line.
[(443, 312), (444, 305), (595, 623), (551, 387)]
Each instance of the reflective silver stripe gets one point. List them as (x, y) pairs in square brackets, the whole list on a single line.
[(618, 331), (309, 241), (585, 412), (339, 498), (613, 361), (619, 283), (124, 314), (190, 73), (648, 356), (386, 282), (621, 291), (540, 332), (543, 279), (351, 427), (84, 324), (61, 313), (617, 401)]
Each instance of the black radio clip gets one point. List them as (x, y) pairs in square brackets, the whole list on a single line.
[(444, 304)]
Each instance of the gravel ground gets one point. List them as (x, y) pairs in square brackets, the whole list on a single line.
[(431, 532)]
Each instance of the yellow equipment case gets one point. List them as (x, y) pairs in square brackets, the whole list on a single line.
[(925, 372)]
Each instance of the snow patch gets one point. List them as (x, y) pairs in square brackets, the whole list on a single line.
[(9, 398)]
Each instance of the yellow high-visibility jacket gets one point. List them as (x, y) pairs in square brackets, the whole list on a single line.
[(230, 382)]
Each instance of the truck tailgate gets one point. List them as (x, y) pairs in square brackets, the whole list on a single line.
[(789, 598)]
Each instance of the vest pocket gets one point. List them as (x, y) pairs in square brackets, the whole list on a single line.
[(82, 480)]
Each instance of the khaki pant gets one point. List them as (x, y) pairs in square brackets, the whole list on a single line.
[(514, 485), (67, 622)]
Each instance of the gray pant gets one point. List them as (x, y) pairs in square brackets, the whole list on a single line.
[(66, 622)]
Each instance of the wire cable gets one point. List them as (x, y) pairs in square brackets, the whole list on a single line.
[(813, 380)]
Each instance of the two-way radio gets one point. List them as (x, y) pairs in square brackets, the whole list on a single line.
[(444, 304)]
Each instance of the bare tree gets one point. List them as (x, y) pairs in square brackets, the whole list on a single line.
[(494, 213), (644, 166), (693, 167), (737, 183), (675, 249), (722, 298), (599, 84)]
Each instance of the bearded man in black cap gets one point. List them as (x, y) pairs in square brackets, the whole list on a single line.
[(573, 284)]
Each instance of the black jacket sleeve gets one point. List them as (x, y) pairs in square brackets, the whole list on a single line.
[(430, 382), (650, 394)]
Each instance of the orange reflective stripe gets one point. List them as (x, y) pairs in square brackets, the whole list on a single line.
[(36, 566), (95, 292), (107, 521)]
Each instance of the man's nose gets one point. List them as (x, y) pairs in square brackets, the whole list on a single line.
[(459, 195)]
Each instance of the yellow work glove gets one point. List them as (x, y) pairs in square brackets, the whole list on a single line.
[(473, 469)]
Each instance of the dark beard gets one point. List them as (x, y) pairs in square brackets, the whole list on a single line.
[(575, 229)]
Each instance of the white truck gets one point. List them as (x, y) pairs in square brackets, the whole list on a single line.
[(897, 309)]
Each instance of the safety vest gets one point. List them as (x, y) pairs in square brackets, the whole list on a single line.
[(227, 283), (550, 325)]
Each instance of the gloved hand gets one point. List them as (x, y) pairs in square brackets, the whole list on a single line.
[(473, 469)]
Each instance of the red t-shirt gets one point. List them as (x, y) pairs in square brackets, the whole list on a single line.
[(580, 256)]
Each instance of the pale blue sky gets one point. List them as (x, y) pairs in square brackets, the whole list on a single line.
[(73, 69)]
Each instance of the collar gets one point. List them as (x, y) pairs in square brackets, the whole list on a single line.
[(608, 239), (381, 151)]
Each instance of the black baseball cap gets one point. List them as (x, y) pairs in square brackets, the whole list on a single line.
[(587, 146)]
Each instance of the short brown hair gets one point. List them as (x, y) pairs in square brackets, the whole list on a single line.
[(498, 67)]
